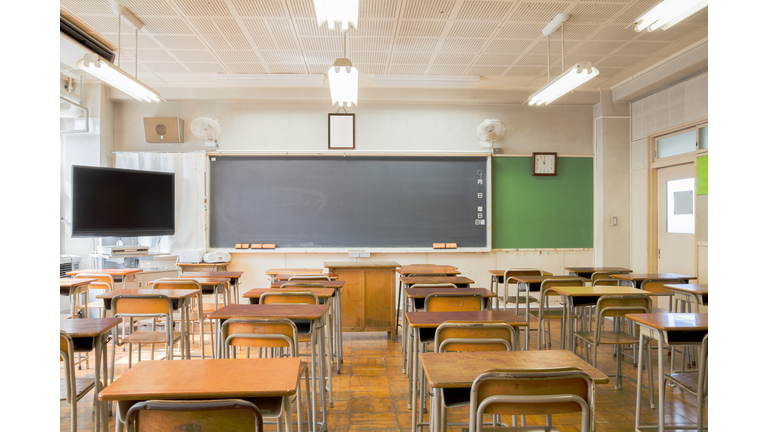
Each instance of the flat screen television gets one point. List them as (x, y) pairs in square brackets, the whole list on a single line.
[(112, 202)]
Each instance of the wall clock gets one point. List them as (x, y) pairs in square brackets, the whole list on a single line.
[(544, 164)]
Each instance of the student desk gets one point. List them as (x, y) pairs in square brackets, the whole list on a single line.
[(120, 276), (214, 266), (254, 380), (335, 327), (271, 273), (699, 292), (528, 284), (497, 277), (234, 279), (587, 272), (410, 270), (92, 333), (674, 329), (407, 281), (459, 370), (432, 320), (316, 313), (181, 302), (576, 296), (634, 280), (72, 287)]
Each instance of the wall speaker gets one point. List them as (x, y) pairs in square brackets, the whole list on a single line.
[(164, 129)]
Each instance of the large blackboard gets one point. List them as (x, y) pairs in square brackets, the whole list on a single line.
[(348, 202)]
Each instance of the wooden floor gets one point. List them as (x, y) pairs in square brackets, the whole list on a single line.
[(371, 392)]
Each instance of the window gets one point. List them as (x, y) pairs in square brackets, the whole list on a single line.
[(680, 208), (681, 142)]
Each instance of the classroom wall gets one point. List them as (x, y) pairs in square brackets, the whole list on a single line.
[(388, 127), (683, 102)]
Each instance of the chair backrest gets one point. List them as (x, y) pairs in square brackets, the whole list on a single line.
[(656, 286), (703, 384), (310, 277), (605, 282), (454, 302), (66, 354), (605, 275), (619, 306), (142, 305), (104, 281), (176, 283), (260, 333), (462, 336), (302, 285), (439, 285), (520, 272), (547, 284), (231, 415), (289, 297), (532, 392)]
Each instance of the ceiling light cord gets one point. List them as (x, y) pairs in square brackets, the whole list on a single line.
[(119, 32), (547, 58), (562, 47), (136, 56)]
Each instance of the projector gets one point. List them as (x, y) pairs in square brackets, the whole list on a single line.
[(213, 257), (123, 250)]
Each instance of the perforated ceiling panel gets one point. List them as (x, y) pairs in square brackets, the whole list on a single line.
[(446, 37)]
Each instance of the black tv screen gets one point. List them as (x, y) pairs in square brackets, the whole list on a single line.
[(112, 202)]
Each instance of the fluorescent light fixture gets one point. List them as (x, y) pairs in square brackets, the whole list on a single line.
[(114, 76), (444, 81), (668, 13), (567, 81), (341, 11), (342, 78), (271, 80)]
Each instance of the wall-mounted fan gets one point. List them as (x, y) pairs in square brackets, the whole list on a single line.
[(207, 130), (489, 131)]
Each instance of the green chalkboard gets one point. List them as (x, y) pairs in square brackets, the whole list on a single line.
[(542, 211)]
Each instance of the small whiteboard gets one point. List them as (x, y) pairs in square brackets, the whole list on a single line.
[(341, 131)]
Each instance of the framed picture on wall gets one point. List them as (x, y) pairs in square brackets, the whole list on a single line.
[(341, 131)]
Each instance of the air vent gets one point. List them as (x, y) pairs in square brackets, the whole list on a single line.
[(68, 263), (78, 35)]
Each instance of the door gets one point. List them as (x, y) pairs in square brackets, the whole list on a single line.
[(676, 220)]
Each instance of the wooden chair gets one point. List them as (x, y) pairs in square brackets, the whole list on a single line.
[(194, 315), (605, 282), (104, 283), (596, 276), (532, 392), (74, 388), (516, 299), (544, 313), (656, 286), (278, 335), (464, 336), (454, 302), (231, 415), (694, 382), (145, 306), (617, 306)]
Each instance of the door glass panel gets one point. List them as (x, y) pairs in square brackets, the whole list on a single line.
[(676, 144), (680, 209), (704, 137)]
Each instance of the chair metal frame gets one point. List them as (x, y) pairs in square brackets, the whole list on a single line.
[(518, 272), (201, 314), (194, 405), (170, 338), (99, 285), (587, 407), (309, 277), (72, 395), (545, 314), (702, 384)]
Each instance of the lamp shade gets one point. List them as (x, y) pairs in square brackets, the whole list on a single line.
[(567, 81), (337, 11), (342, 78), (115, 77)]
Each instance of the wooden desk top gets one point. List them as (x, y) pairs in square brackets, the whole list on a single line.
[(113, 272), (361, 264), (596, 269), (672, 321), (577, 291), (410, 280), (459, 370), (642, 277), (202, 281), (286, 276), (700, 289), (328, 284), (448, 270), (206, 379), (409, 266), (424, 292), (212, 274), (275, 272), (539, 279), (173, 294), (88, 327), (203, 264), (287, 310), (500, 273), (320, 292), (74, 282), (434, 319)]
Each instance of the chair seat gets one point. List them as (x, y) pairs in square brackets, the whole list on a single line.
[(83, 386), (689, 381), (96, 304), (149, 337), (609, 338), (65, 316)]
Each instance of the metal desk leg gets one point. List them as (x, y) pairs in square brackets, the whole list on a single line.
[(329, 359), (287, 412), (527, 310), (661, 382), (414, 376), (322, 380), (98, 418)]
